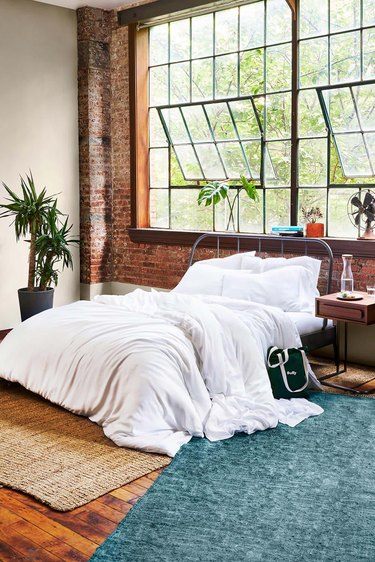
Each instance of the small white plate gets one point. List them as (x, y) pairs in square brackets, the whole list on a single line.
[(350, 297)]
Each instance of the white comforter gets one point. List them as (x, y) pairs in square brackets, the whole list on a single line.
[(155, 369)]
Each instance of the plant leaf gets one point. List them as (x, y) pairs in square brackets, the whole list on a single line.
[(212, 193)]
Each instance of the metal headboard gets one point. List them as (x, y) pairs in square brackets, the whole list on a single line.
[(260, 242)]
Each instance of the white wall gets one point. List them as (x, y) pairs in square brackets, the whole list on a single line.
[(38, 129)]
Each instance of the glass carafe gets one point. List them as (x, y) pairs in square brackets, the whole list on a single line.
[(347, 274)]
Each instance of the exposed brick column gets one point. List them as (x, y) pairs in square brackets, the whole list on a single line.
[(120, 153), (94, 86)]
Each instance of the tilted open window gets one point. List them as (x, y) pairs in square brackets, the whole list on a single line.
[(217, 140), (349, 112)]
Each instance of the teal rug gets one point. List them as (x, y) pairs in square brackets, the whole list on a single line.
[(284, 495)]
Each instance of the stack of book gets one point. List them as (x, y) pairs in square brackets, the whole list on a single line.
[(287, 230)]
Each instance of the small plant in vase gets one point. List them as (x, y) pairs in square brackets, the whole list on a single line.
[(311, 215), (214, 192)]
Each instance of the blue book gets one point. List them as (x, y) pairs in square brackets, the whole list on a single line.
[(287, 228)]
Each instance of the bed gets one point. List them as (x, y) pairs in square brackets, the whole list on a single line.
[(315, 332), (155, 369)]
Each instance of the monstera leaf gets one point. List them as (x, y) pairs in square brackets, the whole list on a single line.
[(213, 193), (250, 189)]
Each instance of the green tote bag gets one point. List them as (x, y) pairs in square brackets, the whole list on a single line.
[(288, 372)]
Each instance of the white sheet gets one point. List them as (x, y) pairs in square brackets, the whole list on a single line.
[(307, 323), (155, 369)]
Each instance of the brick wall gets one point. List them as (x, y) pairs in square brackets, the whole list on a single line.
[(107, 252), (95, 150)]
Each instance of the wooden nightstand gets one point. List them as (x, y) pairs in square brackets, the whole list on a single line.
[(3, 333), (345, 312)]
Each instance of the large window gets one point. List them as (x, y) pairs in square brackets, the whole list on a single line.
[(336, 47), (221, 89)]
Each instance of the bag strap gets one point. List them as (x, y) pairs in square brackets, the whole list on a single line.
[(285, 376), (279, 355)]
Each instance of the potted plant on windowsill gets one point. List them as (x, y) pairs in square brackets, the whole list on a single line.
[(214, 192), (314, 229), (36, 214)]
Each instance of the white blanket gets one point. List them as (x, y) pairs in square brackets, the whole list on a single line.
[(155, 369)]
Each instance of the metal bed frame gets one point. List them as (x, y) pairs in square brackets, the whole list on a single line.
[(327, 335)]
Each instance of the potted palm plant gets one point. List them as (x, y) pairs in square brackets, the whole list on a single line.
[(36, 215)]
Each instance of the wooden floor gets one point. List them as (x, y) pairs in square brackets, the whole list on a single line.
[(32, 531)]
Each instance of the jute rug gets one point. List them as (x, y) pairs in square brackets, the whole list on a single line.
[(61, 459), (355, 375)]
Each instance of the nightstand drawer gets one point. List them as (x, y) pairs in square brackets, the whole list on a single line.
[(348, 312)]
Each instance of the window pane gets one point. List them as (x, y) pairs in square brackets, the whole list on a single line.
[(180, 40), (310, 116), (345, 57), (341, 110), (159, 167), (370, 142), (186, 214), (157, 134), (313, 18), (353, 155), (278, 116), (336, 172), (210, 162), (313, 62), (177, 177), (176, 126), (252, 25), (202, 36), (180, 82), (252, 72), (278, 167), (311, 198), (253, 152), (368, 12), (159, 85), (233, 159), (221, 121), (251, 213), (339, 223), (188, 162), (312, 162), (226, 31), (226, 76), (279, 22), (344, 14), (159, 208), (223, 219), (369, 53), (277, 208), (158, 46), (279, 68), (202, 80), (244, 117), (197, 123)]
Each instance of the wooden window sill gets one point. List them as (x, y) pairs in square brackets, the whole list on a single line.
[(339, 246)]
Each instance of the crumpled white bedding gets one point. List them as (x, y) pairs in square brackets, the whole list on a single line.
[(155, 369)]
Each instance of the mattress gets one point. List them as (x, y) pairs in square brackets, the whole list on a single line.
[(307, 323)]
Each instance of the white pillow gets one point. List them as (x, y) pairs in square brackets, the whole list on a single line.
[(201, 279), (230, 262), (312, 264), (292, 288), (249, 261)]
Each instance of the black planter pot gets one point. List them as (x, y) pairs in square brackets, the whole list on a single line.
[(33, 302)]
